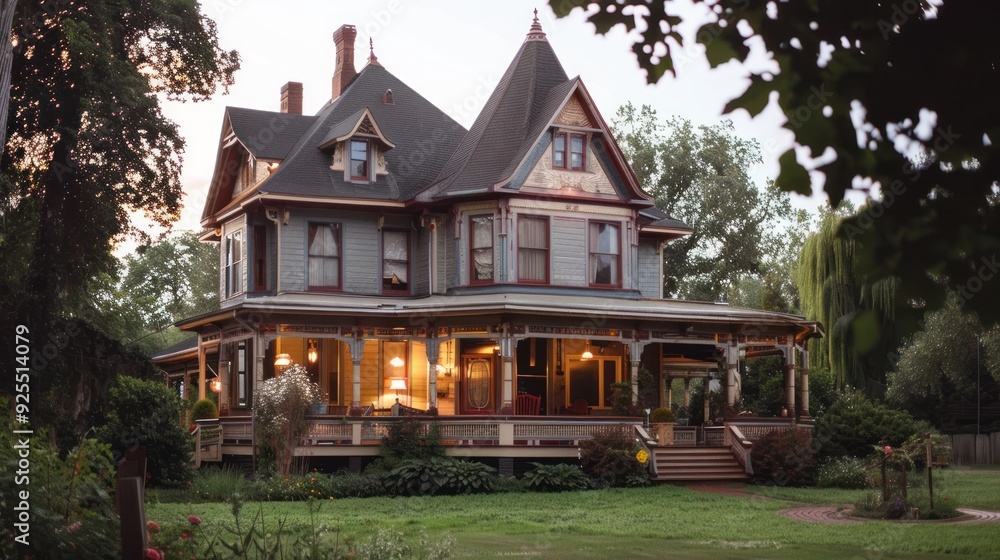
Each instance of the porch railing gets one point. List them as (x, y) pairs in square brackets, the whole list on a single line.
[(235, 431)]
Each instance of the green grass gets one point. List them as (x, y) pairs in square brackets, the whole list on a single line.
[(655, 522)]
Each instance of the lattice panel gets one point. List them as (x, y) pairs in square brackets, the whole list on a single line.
[(469, 431), (329, 430)]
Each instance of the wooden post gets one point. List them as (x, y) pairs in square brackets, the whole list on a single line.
[(130, 502), (357, 347)]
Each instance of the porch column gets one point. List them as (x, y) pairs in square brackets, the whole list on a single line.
[(687, 392), (635, 353), (708, 400), (507, 355), (201, 371), (790, 380), (433, 345), (732, 374), (669, 391), (804, 368), (357, 348)]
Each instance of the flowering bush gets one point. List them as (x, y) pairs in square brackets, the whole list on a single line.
[(279, 413), (844, 472)]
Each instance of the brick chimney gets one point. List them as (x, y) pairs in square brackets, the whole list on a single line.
[(343, 40), (291, 98)]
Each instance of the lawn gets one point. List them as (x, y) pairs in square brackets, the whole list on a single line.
[(660, 521)]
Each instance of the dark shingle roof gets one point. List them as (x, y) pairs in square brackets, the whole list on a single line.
[(267, 134), (653, 216), (509, 124), (189, 344), (425, 138)]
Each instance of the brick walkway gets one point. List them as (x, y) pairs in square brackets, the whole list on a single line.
[(830, 514)]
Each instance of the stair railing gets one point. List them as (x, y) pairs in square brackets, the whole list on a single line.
[(741, 447), (647, 442)]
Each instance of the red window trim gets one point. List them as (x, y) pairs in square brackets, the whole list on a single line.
[(472, 250), (567, 151), (340, 260), (548, 250), (351, 160), (619, 255), (409, 265)]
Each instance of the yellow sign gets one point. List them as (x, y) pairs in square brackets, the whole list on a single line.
[(642, 456)]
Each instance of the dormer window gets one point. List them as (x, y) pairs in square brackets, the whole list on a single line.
[(360, 157), (569, 151)]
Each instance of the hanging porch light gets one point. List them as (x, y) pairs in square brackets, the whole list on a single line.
[(587, 354)]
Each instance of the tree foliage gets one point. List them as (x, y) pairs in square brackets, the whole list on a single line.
[(279, 413), (700, 176), (858, 313), (875, 85), (946, 367)]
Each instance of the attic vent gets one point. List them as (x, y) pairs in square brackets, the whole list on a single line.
[(387, 97)]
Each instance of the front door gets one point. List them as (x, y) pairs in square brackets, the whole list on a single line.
[(478, 392)]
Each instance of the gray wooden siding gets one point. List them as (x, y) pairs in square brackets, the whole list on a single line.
[(420, 262), (649, 269), (452, 248), (569, 252), (360, 240)]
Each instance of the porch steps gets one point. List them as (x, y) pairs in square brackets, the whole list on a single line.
[(674, 463)]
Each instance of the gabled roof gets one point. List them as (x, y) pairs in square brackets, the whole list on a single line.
[(509, 135), (349, 126), (654, 217), (503, 128), (424, 136), (282, 130)]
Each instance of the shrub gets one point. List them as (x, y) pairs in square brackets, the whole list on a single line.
[(405, 440), (621, 400), (217, 484), (784, 458), (441, 475), (610, 459), (843, 472), (509, 484), (346, 484), (204, 410), (146, 413), (662, 415), (279, 413), (556, 478), (853, 425)]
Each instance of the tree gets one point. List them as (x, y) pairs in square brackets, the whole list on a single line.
[(164, 283), (876, 85), (858, 313), (87, 147), (87, 144), (699, 176), (946, 367)]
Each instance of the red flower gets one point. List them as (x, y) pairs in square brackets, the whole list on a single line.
[(192, 427), (312, 481), (194, 519), (152, 527), (185, 535), (153, 554)]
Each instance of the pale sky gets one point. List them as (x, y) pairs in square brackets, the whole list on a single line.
[(453, 52)]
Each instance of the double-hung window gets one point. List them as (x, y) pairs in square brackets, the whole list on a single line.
[(569, 151), (395, 262), (533, 249), (325, 252), (481, 249), (359, 160), (605, 253), (234, 263)]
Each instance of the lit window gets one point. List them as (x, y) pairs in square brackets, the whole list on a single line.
[(533, 249), (395, 262), (324, 256), (359, 160), (605, 248), (481, 247)]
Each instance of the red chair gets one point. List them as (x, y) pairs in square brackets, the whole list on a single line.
[(580, 407), (525, 404)]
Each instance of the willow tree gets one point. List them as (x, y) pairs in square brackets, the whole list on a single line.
[(858, 314), (88, 147)]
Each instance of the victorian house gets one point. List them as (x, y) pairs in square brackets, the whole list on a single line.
[(503, 276)]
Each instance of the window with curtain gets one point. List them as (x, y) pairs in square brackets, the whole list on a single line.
[(395, 262), (569, 151), (481, 248), (605, 249), (324, 256), (234, 263), (533, 249)]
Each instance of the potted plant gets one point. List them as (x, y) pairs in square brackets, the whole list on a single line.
[(662, 421), (683, 416)]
